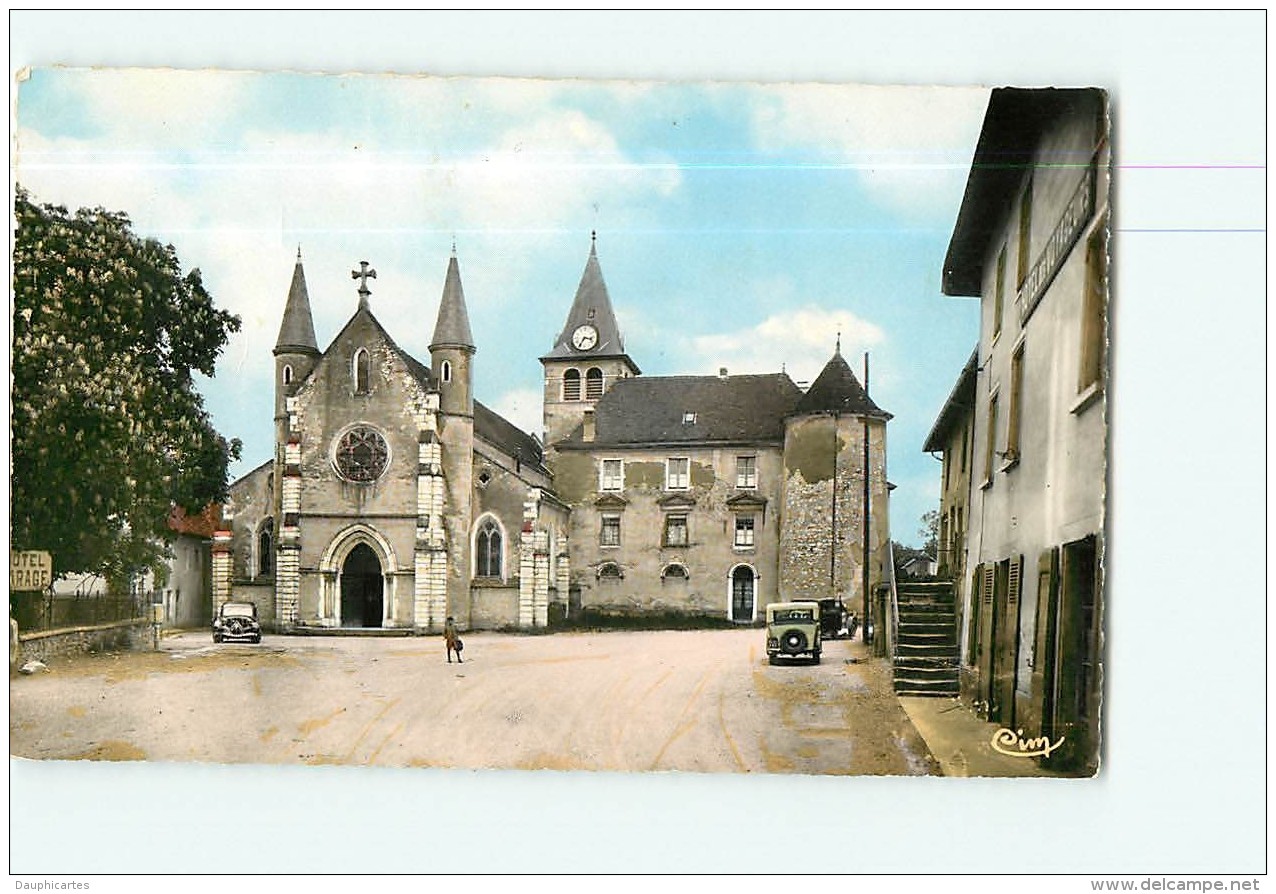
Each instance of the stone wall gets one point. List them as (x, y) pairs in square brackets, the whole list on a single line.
[(493, 607), (118, 636)]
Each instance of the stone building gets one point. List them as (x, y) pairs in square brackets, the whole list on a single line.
[(1031, 242), (396, 499), (952, 436)]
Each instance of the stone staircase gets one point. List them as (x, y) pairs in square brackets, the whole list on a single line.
[(926, 655)]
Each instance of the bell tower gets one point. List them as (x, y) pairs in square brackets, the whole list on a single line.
[(588, 356)]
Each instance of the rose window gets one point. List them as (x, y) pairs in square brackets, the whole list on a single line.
[(362, 454)]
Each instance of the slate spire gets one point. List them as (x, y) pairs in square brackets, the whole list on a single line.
[(591, 307), (297, 331), (453, 325), (836, 390)]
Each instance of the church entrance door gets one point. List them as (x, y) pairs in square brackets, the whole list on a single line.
[(362, 589)]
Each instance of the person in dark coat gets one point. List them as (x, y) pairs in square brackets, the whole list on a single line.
[(452, 640)]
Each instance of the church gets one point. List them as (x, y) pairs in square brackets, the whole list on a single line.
[(395, 499)]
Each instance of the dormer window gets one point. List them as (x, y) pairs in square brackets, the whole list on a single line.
[(593, 383), (571, 384), (688, 418), (445, 371), (362, 371)]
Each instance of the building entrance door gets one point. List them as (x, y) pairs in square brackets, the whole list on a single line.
[(742, 594), (362, 589)]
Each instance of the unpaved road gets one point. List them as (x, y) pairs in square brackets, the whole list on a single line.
[(673, 700)]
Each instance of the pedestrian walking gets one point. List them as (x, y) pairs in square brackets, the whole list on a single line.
[(452, 640)]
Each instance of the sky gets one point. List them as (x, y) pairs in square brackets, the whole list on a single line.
[(738, 225)]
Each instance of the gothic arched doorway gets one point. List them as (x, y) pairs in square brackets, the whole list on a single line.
[(362, 589)]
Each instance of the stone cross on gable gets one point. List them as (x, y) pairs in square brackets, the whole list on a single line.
[(363, 274)]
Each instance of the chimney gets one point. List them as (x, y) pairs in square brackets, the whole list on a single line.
[(722, 372), (588, 434)]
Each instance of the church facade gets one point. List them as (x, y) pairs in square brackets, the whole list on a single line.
[(395, 499)]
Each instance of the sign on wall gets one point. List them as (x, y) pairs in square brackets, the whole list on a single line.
[(30, 570)]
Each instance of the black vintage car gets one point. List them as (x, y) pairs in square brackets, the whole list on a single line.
[(833, 618), (237, 621)]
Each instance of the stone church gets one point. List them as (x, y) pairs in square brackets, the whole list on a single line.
[(395, 499)]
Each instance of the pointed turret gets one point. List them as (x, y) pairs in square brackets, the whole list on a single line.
[(452, 348), (591, 326), (452, 328), (297, 331), (836, 390), (588, 356)]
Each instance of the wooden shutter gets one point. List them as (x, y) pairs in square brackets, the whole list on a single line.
[(1016, 573), (990, 572)]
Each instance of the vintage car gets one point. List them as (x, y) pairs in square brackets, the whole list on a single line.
[(237, 621), (793, 631), (833, 617)]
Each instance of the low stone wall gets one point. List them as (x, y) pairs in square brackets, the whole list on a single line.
[(494, 607), (116, 636)]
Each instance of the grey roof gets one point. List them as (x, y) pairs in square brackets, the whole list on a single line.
[(453, 324), (297, 331), (730, 409), (508, 437), (961, 400), (1005, 153), (593, 306), (836, 390)]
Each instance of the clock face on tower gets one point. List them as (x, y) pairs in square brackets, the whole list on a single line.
[(584, 338)]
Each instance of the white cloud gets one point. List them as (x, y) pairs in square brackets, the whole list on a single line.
[(910, 147), (800, 341), (522, 406)]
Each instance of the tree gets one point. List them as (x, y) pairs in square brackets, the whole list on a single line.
[(929, 532), (108, 429)]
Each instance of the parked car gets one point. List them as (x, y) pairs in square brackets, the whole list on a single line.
[(793, 630), (833, 617), (237, 621)]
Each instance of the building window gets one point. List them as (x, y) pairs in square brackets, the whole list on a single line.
[(674, 572), (287, 374), (675, 530), (266, 548), (1025, 234), (571, 384), (689, 418), (609, 571), (613, 477), (677, 472), (593, 383), (361, 455), (999, 293), (990, 448), (965, 443), (1096, 288), (744, 532), (445, 371), (1016, 406), (361, 371), (746, 471), (487, 550), (609, 534)]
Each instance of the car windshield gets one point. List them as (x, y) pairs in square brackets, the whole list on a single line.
[(238, 610), (793, 614)]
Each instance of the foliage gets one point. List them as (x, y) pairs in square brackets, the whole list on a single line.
[(929, 532), (108, 429)]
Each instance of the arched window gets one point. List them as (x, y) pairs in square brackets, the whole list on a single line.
[(361, 371), (266, 548), (593, 383), (445, 371), (287, 374), (609, 571), (675, 573), (571, 384), (487, 550)]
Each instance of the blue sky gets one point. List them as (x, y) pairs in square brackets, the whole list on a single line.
[(738, 225)]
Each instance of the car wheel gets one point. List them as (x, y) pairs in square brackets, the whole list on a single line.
[(815, 658), (773, 659), (257, 638), (217, 637)]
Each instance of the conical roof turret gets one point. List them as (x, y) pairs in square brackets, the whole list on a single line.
[(297, 331), (453, 325), (592, 307), (836, 390)]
